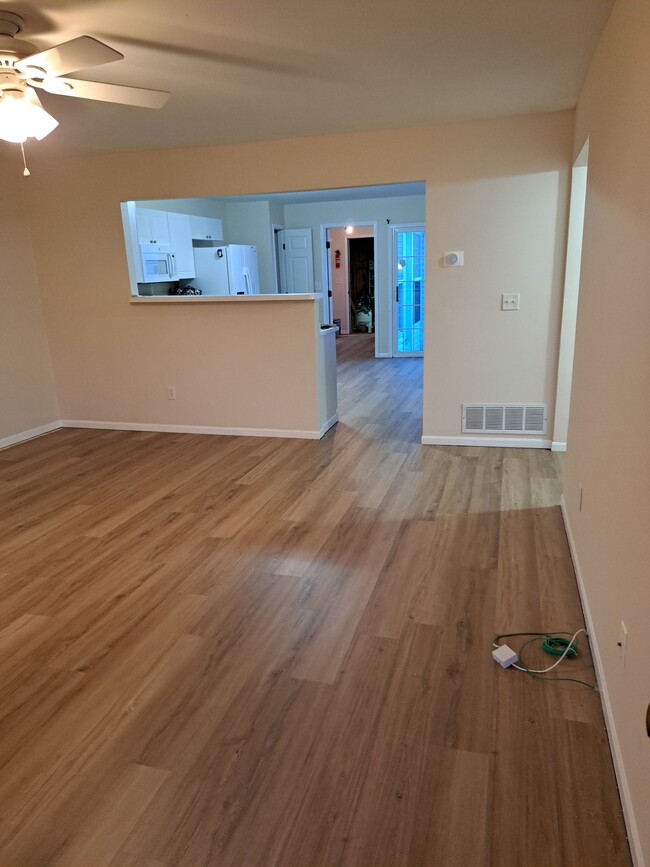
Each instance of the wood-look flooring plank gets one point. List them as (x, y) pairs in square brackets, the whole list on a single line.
[(589, 811), (333, 776), (398, 789), (407, 569), (107, 828), (457, 792), (92, 722), (340, 592), (128, 859)]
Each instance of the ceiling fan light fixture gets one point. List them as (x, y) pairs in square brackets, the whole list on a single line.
[(22, 116), (34, 74)]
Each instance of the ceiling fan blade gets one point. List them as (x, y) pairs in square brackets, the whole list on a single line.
[(138, 96), (80, 53)]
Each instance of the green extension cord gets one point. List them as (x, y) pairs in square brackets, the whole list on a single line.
[(552, 643)]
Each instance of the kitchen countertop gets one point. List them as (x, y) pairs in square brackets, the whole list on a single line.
[(220, 299)]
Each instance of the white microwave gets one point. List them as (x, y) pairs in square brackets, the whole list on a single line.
[(158, 266)]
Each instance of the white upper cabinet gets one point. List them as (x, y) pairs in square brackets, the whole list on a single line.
[(206, 229), (180, 237), (152, 226)]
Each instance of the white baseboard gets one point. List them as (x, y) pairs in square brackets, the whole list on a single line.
[(194, 429), (383, 355), (557, 446), (29, 434), (621, 777), (498, 442), (328, 424)]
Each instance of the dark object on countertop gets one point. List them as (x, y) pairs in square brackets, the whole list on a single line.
[(187, 290)]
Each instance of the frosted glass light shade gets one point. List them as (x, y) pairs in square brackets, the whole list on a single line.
[(22, 116)]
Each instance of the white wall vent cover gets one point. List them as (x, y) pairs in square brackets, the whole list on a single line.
[(511, 418)]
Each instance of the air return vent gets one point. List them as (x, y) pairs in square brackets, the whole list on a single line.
[(512, 418)]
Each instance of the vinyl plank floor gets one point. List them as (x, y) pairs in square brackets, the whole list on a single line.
[(240, 652)]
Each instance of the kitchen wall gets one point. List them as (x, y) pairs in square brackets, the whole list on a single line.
[(397, 209), (27, 394), (250, 223), (496, 188), (607, 454)]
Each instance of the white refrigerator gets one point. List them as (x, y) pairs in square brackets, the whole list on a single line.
[(227, 270)]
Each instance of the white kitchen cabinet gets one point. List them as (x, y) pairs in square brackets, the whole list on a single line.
[(206, 229), (180, 237), (152, 226)]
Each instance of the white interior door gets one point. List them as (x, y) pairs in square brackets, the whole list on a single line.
[(298, 258), (409, 285)]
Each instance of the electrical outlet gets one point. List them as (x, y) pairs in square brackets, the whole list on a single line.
[(171, 392), (622, 644), (510, 301)]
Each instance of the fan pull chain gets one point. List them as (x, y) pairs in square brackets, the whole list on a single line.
[(26, 171)]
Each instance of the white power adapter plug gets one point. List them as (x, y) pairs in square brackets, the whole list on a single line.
[(504, 655)]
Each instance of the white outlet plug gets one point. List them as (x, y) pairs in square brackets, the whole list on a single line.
[(510, 301), (171, 392)]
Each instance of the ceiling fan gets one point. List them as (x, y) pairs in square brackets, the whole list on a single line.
[(23, 67)]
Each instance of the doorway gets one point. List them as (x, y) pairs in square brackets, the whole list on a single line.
[(361, 280), (408, 270), (338, 272)]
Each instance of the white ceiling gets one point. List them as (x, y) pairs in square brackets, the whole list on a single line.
[(245, 70)]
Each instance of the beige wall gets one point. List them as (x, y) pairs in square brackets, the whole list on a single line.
[(512, 229), (496, 188), (610, 410), (27, 396)]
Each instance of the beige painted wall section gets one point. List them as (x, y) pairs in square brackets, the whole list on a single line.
[(473, 172), (512, 231), (610, 411), (27, 395)]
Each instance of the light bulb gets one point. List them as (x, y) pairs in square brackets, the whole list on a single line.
[(22, 116)]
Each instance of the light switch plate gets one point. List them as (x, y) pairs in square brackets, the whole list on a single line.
[(510, 301)]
